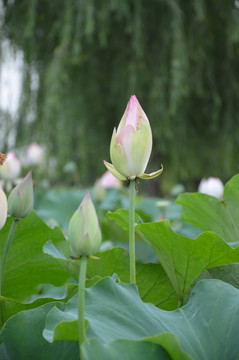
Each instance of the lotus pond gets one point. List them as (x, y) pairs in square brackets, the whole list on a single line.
[(184, 305)]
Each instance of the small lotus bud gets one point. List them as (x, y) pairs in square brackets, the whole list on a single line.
[(35, 154), (11, 168), (109, 181), (3, 208), (84, 231), (131, 144), (20, 201), (211, 186)]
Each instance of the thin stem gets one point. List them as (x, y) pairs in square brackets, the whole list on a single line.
[(5, 253), (132, 232), (81, 299)]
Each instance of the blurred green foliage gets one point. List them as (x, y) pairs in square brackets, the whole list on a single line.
[(179, 57)]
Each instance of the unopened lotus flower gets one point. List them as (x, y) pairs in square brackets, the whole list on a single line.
[(131, 145), (20, 201), (11, 168), (84, 231), (3, 208)]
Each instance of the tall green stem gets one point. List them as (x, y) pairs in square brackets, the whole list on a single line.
[(81, 299), (5, 253), (132, 232)]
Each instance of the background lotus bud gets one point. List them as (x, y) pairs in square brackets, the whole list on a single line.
[(84, 231), (3, 208), (11, 168), (131, 144), (35, 154), (211, 186), (109, 181), (20, 201)]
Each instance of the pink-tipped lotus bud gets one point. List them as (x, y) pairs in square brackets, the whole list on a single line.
[(3, 208), (84, 231), (211, 186), (131, 144), (35, 154), (11, 169), (20, 201)]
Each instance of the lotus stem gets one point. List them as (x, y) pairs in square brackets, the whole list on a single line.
[(132, 232), (81, 299), (5, 253)]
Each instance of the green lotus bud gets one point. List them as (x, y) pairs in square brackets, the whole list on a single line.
[(20, 201), (84, 231), (3, 208), (131, 145)]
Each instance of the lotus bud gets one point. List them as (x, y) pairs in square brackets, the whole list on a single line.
[(211, 186), (11, 169), (131, 144), (3, 208), (109, 181), (35, 154), (84, 231), (20, 201)]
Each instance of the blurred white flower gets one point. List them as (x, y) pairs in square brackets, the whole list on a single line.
[(11, 168), (211, 186), (35, 154)]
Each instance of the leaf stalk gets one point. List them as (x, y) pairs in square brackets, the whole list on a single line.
[(132, 232), (81, 300)]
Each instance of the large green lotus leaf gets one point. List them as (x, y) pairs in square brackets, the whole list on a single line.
[(143, 252), (127, 350), (210, 213), (10, 307), (182, 258), (61, 323), (153, 283), (27, 266), (207, 326), (226, 273), (22, 338)]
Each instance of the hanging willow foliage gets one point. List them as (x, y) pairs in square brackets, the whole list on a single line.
[(179, 57)]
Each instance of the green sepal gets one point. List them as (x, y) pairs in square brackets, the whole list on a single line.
[(114, 172), (151, 175)]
